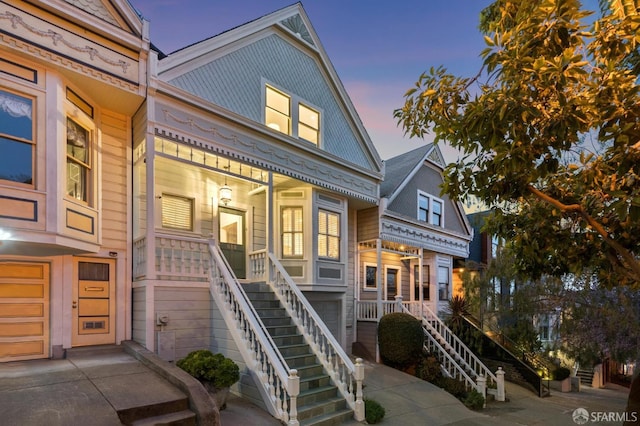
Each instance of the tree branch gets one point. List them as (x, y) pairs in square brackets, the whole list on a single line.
[(628, 257)]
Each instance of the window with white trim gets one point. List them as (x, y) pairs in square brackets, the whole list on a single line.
[(292, 232), (177, 212), (328, 235), (370, 276), (443, 283), (78, 160), (430, 209), (292, 116)]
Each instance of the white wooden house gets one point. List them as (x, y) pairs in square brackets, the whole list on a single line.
[(250, 165), (72, 75)]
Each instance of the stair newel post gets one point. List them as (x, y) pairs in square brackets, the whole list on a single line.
[(398, 303), (500, 384), (359, 376), (482, 388), (294, 391)]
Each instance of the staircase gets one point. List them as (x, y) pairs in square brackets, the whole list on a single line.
[(319, 402), (455, 357), (586, 376)]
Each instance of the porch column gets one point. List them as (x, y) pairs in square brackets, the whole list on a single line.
[(421, 280), (150, 232), (379, 284), (270, 218)]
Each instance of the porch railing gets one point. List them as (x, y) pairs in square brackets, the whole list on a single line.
[(277, 382), (176, 258), (347, 377)]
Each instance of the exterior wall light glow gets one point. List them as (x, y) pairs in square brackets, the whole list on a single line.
[(225, 190), (4, 235)]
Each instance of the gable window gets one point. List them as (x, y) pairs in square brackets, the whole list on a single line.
[(177, 212), (17, 141), (290, 115), (443, 283), (328, 235), (308, 126), (292, 235), (278, 111), (430, 209)]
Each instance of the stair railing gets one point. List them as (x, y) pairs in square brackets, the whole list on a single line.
[(347, 377), (435, 327), (277, 382)]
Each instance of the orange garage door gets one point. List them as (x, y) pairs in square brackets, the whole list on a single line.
[(24, 311)]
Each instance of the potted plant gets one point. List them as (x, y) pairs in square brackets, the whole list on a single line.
[(215, 371)]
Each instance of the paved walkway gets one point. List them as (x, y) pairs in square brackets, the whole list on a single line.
[(69, 393)]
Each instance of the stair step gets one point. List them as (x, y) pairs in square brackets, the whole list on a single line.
[(332, 419), (179, 418), (317, 395), (314, 382), (321, 408), (281, 330), (134, 413), (298, 349), (295, 361), (288, 339), (271, 312), (307, 371)]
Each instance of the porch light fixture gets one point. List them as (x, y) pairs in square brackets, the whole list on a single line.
[(225, 190)]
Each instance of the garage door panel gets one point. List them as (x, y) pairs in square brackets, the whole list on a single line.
[(26, 271), (21, 329), (22, 349), (21, 291), (21, 310)]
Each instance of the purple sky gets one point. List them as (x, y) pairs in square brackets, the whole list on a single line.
[(378, 48)]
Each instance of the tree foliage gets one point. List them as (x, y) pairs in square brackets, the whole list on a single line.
[(549, 135)]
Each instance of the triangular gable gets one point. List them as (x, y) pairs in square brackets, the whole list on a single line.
[(118, 13), (407, 171), (280, 49)]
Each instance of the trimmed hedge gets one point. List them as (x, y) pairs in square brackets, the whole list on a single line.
[(400, 337)]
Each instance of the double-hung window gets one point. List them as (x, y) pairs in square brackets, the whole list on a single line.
[(292, 116), (328, 235), (443, 283), (80, 135), (430, 209), (292, 232), (177, 212), (17, 141)]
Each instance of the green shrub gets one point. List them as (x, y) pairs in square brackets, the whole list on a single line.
[(373, 411), (400, 337), (474, 400), (560, 373), (429, 369), (454, 386), (205, 366)]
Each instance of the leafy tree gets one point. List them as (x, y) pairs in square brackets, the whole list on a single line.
[(549, 134)]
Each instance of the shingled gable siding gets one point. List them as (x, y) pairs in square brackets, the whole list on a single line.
[(274, 60)]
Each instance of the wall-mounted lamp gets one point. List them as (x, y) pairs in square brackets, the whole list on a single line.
[(225, 190)]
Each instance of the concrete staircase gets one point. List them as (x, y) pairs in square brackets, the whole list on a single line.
[(319, 402), (586, 377), (139, 396)]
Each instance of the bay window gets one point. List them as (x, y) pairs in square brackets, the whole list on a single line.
[(292, 232), (328, 235), (17, 141)]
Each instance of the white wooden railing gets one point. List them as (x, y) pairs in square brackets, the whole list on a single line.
[(176, 258), (450, 342), (280, 385), (347, 376)]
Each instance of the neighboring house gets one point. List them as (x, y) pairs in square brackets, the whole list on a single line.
[(71, 79), (407, 246)]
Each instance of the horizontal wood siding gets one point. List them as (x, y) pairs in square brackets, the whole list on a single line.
[(352, 230), (139, 315), (389, 260), (114, 181), (368, 335), (368, 224), (189, 311)]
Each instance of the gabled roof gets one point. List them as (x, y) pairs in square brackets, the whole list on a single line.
[(400, 169), (189, 67)]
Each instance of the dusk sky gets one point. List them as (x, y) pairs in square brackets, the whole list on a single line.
[(378, 48)]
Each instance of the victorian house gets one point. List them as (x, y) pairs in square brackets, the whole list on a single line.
[(71, 79)]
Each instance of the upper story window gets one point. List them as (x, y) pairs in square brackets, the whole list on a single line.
[(289, 115), (292, 232), (80, 144), (430, 209), (17, 141), (328, 235)]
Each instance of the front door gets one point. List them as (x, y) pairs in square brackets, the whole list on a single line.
[(392, 283), (94, 304), (232, 239)]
